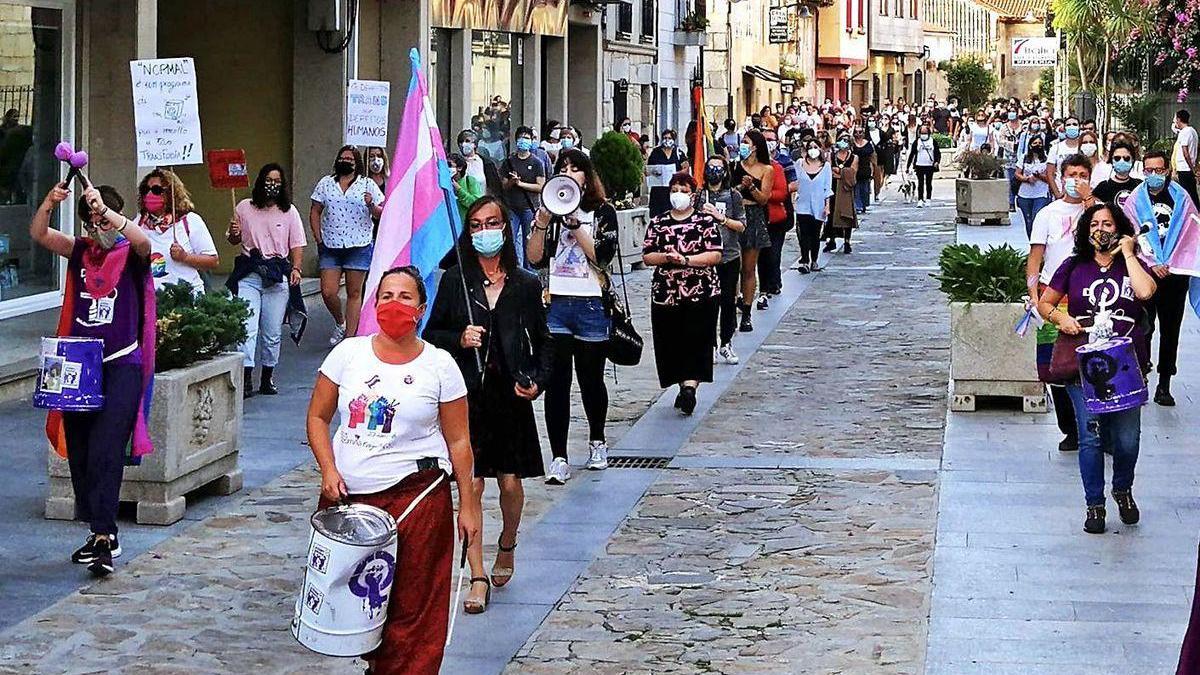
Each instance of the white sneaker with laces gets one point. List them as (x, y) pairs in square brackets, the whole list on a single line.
[(559, 472), (597, 456), (339, 334), (727, 353)]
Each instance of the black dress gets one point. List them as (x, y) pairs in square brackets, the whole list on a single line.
[(660, 196), (516, 345)]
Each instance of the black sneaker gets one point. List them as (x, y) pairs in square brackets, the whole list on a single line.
[(102, 560), (686, 400), (1128, 508), (746, 326), (763, 301), (86, 553), (1068, 444), (267, 388), (846, 248), (830, 246), (802, 268), (1094, 523), (1163, 397)]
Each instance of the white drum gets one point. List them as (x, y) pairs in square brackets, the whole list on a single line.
[(351, 566)]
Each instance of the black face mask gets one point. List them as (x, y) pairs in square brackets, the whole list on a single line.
[(714, 174), (343, 168)]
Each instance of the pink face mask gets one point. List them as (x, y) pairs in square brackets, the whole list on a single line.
[(154, 203)]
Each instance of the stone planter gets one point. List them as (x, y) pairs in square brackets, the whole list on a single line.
[(982, 202), (195, 421), (631, 233), (988, 359), (684, 38)]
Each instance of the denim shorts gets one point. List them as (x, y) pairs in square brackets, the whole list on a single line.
[(581, 317), (354, 258)]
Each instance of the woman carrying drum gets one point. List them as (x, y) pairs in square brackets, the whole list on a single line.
[(109, 295), (1104, 282), (403, 409)]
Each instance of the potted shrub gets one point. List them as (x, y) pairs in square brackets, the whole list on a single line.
[(981, 190), (621, 167), (986, 289), (195, 414), (691, 30)]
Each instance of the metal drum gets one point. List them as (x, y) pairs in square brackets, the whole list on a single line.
[(70, 374), (1112, 379), (351, 566)]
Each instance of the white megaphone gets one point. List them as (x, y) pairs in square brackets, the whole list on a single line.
[(561, 195)]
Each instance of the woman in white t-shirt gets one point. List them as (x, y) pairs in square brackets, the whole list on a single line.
[(180, 244), (403, 427), (577, 250)]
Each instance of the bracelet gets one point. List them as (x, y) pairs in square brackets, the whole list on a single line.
[(1052, 311), (540, 229), (124, 222)]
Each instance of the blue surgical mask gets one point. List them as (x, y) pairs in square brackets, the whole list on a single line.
[(744, 151), (467, 147), (488, 243), (1122, 166), (842, 145), (1071, 187), (1155, 182), (1012, 115), (1072, 132), (568, 143), (1062, 135), (524, 144)]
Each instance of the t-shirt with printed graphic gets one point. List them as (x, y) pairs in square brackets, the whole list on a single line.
[(696, 234), (1054, 227), (115, 318), (388, 413), (192, 234), (1089, 287), (345, 218)]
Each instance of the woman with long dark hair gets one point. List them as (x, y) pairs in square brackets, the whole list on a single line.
[(1106, 276), (722, 203), (345, 205), (271, 235), (506, 328), (577, 250), (753, 176)]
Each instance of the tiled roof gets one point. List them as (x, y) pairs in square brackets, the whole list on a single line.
[(1016, 9)]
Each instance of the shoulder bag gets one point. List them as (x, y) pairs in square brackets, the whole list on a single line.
[(624, 342)]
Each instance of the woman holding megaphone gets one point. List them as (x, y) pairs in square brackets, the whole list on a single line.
[(577, 250)]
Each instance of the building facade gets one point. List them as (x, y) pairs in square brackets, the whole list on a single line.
[(678, 62), (843, 51), (972, 25), (630, 54), (897, 51)]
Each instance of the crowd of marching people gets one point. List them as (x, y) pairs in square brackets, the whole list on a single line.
[(526, 306)]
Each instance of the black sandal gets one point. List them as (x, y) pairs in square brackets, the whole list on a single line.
[(505, 573), (472, 606)]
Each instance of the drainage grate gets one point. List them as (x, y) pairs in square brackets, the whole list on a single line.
[(631, 462)]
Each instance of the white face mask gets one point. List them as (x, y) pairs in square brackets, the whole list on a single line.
[(376, 164), (680, 200), (105, 239), (772, 146), (814, 153), (1087, 149)]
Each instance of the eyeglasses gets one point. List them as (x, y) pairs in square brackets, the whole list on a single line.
[(153, 189), (1156, 172), (489, 224)]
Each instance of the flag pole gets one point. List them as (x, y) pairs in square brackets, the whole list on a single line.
[(462, 272)]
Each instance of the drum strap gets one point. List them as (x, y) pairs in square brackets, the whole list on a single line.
[(122, 352)]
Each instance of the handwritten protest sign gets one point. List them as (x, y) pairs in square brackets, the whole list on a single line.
[(367, 112), (166, 112)]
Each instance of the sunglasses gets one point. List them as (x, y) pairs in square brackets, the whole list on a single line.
[(153, 189)]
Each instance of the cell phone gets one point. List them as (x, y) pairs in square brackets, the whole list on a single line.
[(524, 380)]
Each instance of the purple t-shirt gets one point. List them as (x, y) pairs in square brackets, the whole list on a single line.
[(114, 318), (1087, 288)]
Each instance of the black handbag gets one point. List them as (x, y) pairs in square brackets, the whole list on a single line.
[(624, 344)]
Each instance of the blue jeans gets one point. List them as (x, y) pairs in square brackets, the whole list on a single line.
[(522, 221), (264, 326), (1029, 209), (1119, 430), (583, 318), (1011, 174), (862, 194)]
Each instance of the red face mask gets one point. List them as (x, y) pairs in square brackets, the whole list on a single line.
[(397, 320)]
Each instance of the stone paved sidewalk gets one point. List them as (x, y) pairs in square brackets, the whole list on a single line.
[(795, 531)]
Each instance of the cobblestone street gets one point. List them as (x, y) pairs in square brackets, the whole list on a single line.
[(803, 521)]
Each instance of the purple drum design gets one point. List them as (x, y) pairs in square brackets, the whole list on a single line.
[(1112, 379), (70, 375)]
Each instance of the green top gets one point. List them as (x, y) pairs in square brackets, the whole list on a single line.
[(469, 189)]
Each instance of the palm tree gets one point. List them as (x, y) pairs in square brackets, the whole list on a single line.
[(1094, 29)]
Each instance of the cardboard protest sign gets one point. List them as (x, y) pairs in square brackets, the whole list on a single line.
[(166, 112), (227, 169), (367, 112)]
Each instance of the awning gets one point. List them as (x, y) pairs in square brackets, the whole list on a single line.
[(762, 73)]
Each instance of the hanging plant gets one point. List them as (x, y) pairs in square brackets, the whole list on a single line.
[(693, 22)]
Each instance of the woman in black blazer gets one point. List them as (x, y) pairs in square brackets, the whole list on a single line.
[(503, 349)]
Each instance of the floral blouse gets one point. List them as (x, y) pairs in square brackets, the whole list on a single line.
[(673, 284)]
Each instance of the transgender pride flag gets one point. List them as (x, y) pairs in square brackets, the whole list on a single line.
[(420, 214)]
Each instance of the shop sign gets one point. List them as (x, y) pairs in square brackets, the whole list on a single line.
[(779, 30), (1034, 52)]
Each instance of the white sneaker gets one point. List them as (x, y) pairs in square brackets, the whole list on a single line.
[(559, 472), (597, 456), (727, 353), (339, 334)]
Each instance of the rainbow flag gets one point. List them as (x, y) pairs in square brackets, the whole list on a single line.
[(702, 144), (420, 214)]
